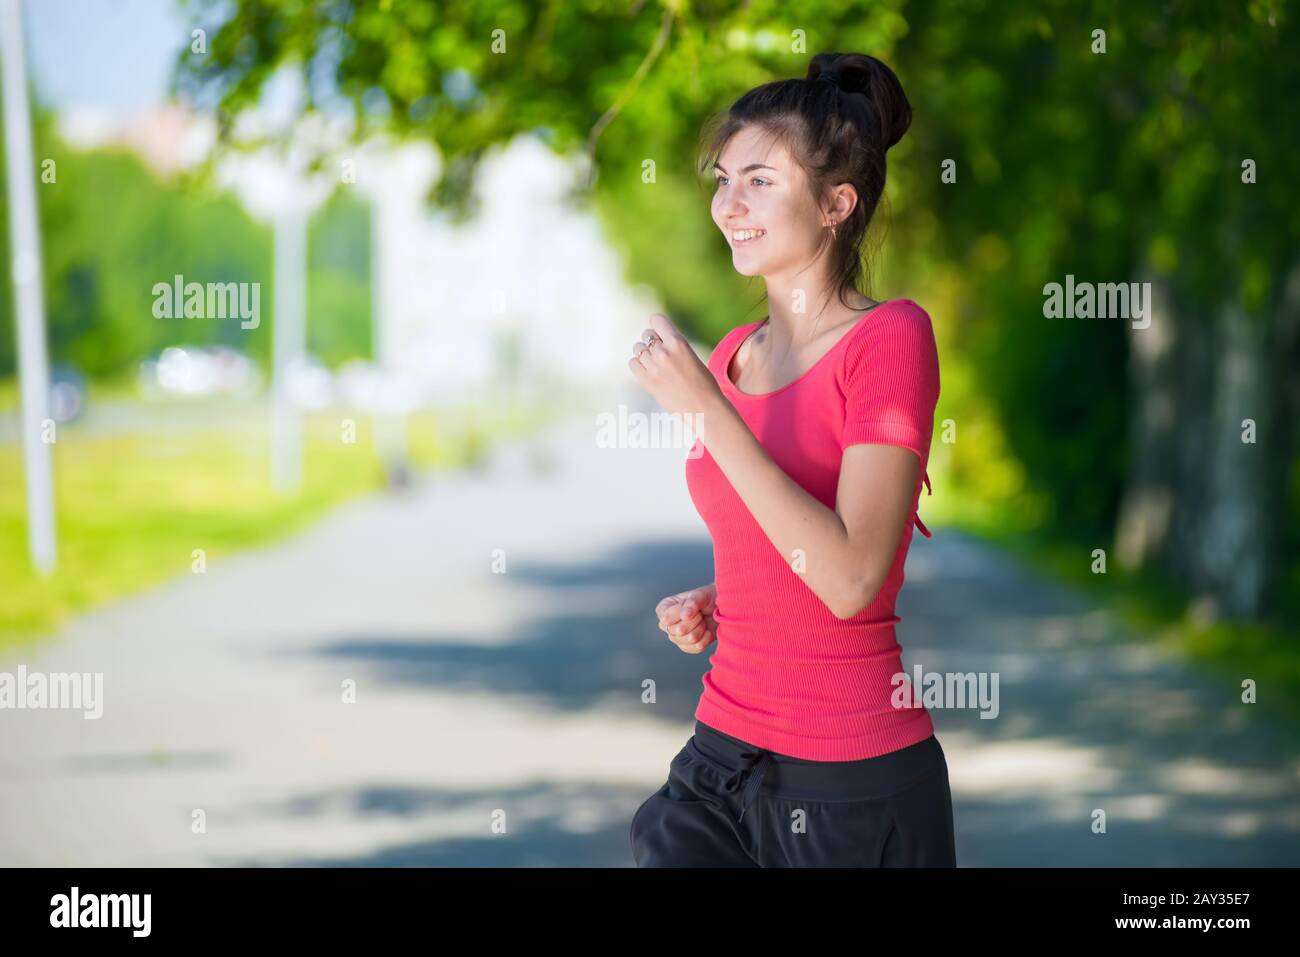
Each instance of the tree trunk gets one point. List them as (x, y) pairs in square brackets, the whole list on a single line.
[(1192, 425), (1228, 561), (1206, 505), (1230, 504), (1146, 506)]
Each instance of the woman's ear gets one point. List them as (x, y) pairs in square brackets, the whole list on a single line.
[(846, 200), (839, 205)]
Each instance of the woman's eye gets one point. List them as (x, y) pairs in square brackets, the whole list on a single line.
[(717, 180), (759, 179)]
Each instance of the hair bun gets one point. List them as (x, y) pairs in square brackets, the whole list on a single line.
[(847, 80), (860, 73)]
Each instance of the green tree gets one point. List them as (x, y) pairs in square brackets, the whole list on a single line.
[(111, 230)]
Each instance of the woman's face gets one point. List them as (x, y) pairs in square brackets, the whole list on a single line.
[(759, 187)]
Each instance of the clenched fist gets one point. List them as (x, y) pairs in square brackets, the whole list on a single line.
[(687, 618)]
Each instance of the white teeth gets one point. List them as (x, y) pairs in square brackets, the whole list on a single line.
[(741, 235)]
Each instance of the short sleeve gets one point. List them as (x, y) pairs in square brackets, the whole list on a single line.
[(891, 381)]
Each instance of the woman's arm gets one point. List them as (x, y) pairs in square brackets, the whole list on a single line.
[(843, 555), (846, 553)]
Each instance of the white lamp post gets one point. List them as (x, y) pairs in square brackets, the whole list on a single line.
[(275, 187), (395, 178), (25, 239)]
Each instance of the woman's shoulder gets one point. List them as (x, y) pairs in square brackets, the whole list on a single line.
[(895, 318), (893, 312), (898, 331)]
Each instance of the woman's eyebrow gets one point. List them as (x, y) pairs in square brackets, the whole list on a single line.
[(751, 166)]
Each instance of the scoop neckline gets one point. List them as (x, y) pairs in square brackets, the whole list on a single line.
[(731, 354)]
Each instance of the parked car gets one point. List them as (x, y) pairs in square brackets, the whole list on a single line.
[(68, 392)]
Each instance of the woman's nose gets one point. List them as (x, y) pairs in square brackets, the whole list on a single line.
[(730, 206)]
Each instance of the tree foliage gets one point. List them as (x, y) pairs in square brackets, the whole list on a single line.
[(1100, 139)]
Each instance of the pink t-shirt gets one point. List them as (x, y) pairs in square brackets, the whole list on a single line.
[(785, 673)]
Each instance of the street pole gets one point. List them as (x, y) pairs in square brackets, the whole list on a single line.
[(288, 345), (25, 241)]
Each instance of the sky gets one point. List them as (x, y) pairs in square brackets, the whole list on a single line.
[(110, 56)]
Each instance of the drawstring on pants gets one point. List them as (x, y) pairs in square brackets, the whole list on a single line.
[(753, 765), (750, 762)]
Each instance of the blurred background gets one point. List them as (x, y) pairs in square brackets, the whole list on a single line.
[(361, 447)]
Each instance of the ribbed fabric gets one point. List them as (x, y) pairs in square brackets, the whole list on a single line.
[(785, 673)]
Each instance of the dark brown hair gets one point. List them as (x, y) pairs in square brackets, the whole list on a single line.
[(837, 122)]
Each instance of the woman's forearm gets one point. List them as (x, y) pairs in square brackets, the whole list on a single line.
[(810, 536)]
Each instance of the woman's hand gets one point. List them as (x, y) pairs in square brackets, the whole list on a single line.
[(687, 618), (671, 371)]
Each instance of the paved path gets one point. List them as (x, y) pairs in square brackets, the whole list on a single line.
[(479, 693)]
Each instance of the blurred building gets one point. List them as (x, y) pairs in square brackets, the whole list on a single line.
[(527, 274), (529, 285)]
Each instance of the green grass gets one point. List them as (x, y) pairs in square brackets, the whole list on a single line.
[(1148, 606), (131, 509)]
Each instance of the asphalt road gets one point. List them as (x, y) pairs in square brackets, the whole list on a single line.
[(498, 719)]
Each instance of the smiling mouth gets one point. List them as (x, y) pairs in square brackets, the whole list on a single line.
[(747, 237)]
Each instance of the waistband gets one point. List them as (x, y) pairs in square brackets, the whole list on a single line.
[(783, 775)]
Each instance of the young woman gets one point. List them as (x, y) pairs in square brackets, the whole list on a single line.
[(814, 430)]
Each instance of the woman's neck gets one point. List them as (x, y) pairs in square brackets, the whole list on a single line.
[(787, 328)]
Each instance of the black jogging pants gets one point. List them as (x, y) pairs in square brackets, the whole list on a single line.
[(727, 803)]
